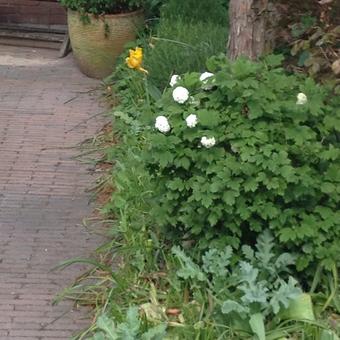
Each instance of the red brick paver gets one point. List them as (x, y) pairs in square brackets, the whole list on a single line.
[(45, 106)]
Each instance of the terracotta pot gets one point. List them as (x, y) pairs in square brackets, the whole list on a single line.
[(97, 44)]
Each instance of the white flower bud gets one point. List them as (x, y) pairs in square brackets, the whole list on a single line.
[(301, 99), (174, 80), (191, 121), (162, 124), (205, 76), (180, 94), (208, 142)]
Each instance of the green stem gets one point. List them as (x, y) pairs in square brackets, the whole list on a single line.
[(333, 289)]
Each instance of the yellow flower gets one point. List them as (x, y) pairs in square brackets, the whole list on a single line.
[(135, 59)]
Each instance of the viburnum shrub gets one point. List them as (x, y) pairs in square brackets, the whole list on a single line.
[(243, 148)]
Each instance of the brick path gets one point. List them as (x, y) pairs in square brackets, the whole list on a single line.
[(42, 198)]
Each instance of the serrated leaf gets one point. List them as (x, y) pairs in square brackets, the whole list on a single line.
[(254, 293), (208, 118), (264, 246), (107, 325), (189, 269), (287, 234), (229, 197), (274, 60), (155, 333), (99, 336), (129, 329), (230, 306), (247, 272), (283, 261), (165, 158), (216, 262), (284, 295), (250, 185), (327, 187), (248, 252)]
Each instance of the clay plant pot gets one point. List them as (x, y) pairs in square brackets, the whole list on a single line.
[(97, 42)]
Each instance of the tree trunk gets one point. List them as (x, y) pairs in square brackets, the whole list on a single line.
[(247, 28)]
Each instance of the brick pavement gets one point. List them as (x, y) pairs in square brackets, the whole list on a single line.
[(42, 197)]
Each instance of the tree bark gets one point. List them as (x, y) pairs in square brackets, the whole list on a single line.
[(247, 28)]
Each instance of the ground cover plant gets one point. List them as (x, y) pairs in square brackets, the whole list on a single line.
[(225, 210), (167, 287)]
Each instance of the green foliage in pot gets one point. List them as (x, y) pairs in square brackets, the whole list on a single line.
[(247, 149), (100, 7)]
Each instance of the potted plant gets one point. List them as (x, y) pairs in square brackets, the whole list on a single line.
[(98, 31)]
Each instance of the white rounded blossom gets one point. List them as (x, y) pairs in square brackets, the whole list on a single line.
[(174, 80), (180, 94), (301, 99), (162, 124), (191, 121), (205, 76), (208, 142)]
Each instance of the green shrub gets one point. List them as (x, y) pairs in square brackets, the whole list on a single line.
[(275, 163)]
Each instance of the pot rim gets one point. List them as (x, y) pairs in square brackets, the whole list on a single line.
[(125, 14)]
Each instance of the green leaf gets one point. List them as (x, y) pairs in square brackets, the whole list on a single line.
[(176, 184), (99, 336), (284, 295), (129, 329), (327, 187), (208, 118), (155, 333), (154, 91), (248, 252), (256, 323), (189, 269), (264, 246), (283, 261), (107, 325), (273, 60), (230, 306), (250, 185), (165, 158), (229, 197), (300, 308), (216, 262), (247, 272), (287, 234)]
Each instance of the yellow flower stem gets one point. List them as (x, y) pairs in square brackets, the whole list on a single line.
[(147, 92)]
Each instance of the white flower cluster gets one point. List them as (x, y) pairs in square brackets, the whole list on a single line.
[(301, 99), (208, 142), (205, 76), (174, 80), (180, 94), (191, 121), (162, 124)]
